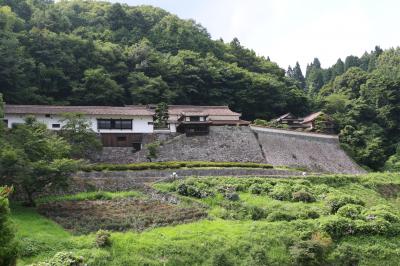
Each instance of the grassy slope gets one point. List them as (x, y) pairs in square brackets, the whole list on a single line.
[(203, 241)]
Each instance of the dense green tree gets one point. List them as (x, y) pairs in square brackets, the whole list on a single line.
[(161, 116), (337, 68), (366, 105), (98, 88), (77, 131), (8, 245), (351, 61), (35, 159), (296, 74)]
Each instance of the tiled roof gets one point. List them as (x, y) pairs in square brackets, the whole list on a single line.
[(209, 110), (283, 116), (129, 110), (311, 117), (88, 110)]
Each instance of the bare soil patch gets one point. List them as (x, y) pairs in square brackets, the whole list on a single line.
[(117, 215)]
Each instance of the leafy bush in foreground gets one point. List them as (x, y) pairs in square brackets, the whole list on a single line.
[(63, 259), (8, 248)]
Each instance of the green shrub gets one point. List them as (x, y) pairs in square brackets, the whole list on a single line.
[(220, 258), (232, 196), (192, 191), (103, 239), (260, 122), (96, 257), (378, 226), (170, 165), (8, 246), (258, 255), (152, 150), (260, 188), (345, 254), (303, 196), (63, 259), (309, 214), (383, 212), (257, 213), (351, 211), (308, 252), (280, 216), (336, 202), (337, 226), (281, 191), (28, 247)]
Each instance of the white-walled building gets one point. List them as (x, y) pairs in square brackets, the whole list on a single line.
[(125, 126)]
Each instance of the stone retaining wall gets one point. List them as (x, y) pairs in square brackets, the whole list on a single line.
[(316, 152), (223, 144)]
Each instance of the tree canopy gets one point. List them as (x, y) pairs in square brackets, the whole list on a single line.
[(98, 53)]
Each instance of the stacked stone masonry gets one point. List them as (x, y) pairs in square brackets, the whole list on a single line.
[(246, 144)]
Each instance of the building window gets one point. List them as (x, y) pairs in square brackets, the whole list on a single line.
[(103, 124), (5, 122), (194, 119), (47, 115), (137, 146), (123, 124), (121, 138), (114, 124), (55, 125)]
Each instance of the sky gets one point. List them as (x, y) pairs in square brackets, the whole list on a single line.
[(294, 30)]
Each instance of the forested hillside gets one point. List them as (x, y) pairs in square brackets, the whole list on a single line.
[(363, 97), (98, 53)]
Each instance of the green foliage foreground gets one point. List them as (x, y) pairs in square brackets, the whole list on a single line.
[(351, 220)]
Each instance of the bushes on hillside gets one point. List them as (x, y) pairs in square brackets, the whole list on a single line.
[(171, 165), (193, 191), (335, 202), (280, 216), (308, 252), (260, 188), (303, 196), (289, 192), (281, 191), (339, 226), (351, 211)]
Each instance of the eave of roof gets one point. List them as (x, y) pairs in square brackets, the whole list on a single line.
[(88, 110)]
